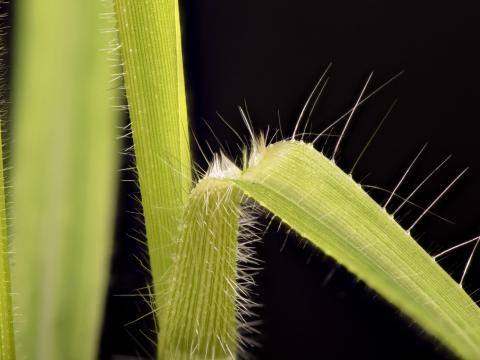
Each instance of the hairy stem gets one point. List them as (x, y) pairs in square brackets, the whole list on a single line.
[(200, 316)]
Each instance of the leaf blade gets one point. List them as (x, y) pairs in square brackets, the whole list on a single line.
[(325, 206)]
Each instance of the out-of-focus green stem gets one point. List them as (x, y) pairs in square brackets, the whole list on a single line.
[(64, 174)]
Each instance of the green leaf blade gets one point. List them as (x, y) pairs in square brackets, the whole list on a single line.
[(325, 206)]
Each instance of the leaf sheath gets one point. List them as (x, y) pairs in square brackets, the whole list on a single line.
[(200, 316)]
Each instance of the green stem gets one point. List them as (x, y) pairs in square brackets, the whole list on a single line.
[(151, 48)]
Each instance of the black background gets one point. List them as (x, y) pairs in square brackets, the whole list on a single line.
[(268, 54)]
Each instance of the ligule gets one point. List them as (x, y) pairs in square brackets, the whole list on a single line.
[(200, 315)]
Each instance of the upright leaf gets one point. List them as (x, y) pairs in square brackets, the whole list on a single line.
[(154, 81)]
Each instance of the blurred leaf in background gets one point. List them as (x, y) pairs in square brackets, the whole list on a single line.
[(64, 173)]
